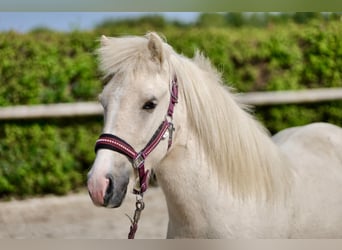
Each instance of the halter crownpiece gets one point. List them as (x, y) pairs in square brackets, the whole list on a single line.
[(137, 159)]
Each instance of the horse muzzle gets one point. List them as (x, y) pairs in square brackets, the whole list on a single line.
[(108, 191)]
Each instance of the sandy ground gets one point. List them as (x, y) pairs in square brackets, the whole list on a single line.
[(74, 216)]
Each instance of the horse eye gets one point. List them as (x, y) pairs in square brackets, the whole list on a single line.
[(150, 105)]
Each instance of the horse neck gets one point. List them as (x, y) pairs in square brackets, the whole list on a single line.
[(217, 149), (183, 176), (196, 201)]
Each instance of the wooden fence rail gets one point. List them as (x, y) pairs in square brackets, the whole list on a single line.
[(94, 108)]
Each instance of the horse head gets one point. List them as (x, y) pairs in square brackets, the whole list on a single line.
[(136, 102)]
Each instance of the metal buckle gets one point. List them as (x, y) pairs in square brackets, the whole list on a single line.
[(171, 129), (138, 161)]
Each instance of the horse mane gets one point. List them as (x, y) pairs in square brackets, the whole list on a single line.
[(239, 149)]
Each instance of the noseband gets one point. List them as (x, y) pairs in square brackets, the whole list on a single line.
[(137, 159)]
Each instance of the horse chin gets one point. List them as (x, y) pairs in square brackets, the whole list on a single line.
[(116, 192)]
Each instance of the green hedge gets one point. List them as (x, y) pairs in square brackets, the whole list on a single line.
[(53, 156), (47, 67)]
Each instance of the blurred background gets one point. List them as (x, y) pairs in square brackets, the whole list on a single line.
[(68, 21), (48, 57)]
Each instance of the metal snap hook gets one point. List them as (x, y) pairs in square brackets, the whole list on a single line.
[(140, 205)]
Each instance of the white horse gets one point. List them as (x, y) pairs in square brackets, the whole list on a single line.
[(223, 176)]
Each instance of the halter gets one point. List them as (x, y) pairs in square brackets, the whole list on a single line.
[(137, 159)]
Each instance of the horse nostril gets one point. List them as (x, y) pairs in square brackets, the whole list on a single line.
[(109, 190)]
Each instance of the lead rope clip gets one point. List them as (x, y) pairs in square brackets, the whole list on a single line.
[(139, 207)]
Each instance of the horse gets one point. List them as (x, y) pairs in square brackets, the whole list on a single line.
[(222, 173)]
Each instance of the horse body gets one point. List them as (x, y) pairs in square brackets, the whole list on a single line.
[(314, 151), (223, 177)]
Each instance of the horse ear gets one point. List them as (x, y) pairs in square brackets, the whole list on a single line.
[(155, 45), (104, 40)]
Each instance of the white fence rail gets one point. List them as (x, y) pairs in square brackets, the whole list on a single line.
[(50, 110), (292, 96), (94, 108)]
